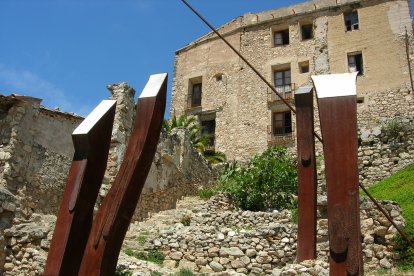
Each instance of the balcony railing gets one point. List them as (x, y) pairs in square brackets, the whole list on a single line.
[(276, 138), (191, 105), (286, 91)]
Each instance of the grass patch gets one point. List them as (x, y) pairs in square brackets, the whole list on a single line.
[(206, 193), (153, 256), (400, 188), (142, 238)]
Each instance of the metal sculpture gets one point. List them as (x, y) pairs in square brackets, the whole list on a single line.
[(115, 214), (91, 141), (307, 180), (338, 116)]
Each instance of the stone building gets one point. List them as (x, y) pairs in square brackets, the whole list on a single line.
[(287, 46)]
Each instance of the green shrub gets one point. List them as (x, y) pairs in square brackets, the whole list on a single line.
[(184, 272), (267, 181), (156, 257), (404, 249), (206, 193), (186, 220), (153, 256), (155, 273)]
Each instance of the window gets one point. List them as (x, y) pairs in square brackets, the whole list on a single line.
[(283, 82), (281, 123), (351, 21), (208, 129), (355, 63), (304, 67), (195, 92), (281, 37), (307, 31)]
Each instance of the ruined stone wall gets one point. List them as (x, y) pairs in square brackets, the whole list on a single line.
[(239, 99), (385, 148), (35, 155), (177, 170)]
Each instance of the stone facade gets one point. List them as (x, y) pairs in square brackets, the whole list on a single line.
[(238, 100)]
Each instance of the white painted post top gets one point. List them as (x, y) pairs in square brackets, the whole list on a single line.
[(94, 117), (153, 85), (335, 85)]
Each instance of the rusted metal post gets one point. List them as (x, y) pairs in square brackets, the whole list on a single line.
[(91, 141), (307, 180), (114, 215), (338, 118)]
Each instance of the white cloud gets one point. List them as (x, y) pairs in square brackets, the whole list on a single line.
[(30, 84)]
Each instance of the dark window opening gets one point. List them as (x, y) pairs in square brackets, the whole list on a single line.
[(196, 95), (351, 21), (360, 100), (304, 67), (355, 63), (307, 31), (282, 123), (208, 129), (281, 37)]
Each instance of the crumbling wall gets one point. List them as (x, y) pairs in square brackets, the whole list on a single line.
[(35, 155), (385, 148)]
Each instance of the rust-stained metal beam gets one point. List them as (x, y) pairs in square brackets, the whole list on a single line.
[(307, 180), (336, 95), (114, 215), (91, 141)]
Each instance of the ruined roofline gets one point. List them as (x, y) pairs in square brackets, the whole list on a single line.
[(55, 112), (10, 100), (256, 19)]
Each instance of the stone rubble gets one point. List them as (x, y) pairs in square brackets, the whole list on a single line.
[(223, 240)]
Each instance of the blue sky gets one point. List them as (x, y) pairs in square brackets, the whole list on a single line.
[(67, 51)]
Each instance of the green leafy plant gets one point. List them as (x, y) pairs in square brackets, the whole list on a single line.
[(198, 140), (155, 273), (206, 193), (186, 220), (267, 181), (156, 257), (393, 128), (215, 157)]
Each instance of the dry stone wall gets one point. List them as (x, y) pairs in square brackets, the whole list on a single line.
[(222, 239), (385, 148)]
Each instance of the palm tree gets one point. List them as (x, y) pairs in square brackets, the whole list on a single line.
[(198, 140)]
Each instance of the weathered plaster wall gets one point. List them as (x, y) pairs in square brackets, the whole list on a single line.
[(380, 38)]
